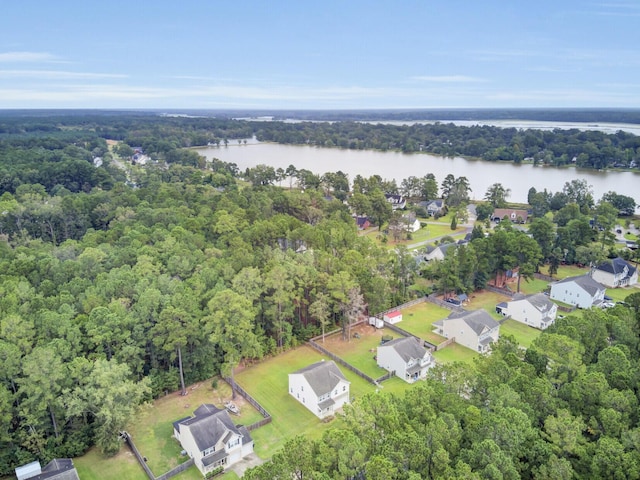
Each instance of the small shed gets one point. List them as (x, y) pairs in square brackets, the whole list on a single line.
[(376, 322), (29, 470), (393, 317)]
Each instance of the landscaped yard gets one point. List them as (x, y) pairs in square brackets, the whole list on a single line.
[(533, 286), (523, 333), (418, 320), (565, 271), (619, 294), (268, 383), (95, 466)]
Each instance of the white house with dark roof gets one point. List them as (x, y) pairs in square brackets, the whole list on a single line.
[(321, 387), (398, 202), (56, 469), (475, 329), (406, 358), (534, 310), (211, 438), (438, 252), (615, 273), (581, 291)]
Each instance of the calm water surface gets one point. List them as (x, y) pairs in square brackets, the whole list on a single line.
[(396, 165)]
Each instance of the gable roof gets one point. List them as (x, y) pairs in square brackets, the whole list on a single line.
[(617, 266), (322, 376), (208, 425), (538, 300), (510, 213), (58, 469), (407, 347), (394, 314), (477, 320), (585, 281)]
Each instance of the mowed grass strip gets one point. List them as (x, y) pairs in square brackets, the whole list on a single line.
[(523, 334), (268, 383), (358, 352), (455, 353), (418, 320)]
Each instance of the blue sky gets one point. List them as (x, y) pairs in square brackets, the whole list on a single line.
[(345, 54)]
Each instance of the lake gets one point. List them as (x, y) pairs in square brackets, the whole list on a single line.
[(397, 165)]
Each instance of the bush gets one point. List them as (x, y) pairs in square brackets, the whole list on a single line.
[(214, 472)]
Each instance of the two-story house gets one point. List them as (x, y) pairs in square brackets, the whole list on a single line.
[(321, 387), (615, 273), (211, 438), (475, 329), (581, 291), (534, 310), (406, 358)]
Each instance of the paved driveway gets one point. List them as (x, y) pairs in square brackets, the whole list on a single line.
[(247, 462)]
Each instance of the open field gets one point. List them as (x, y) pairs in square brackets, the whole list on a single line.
[(359, 352), (419, 318), (565, 271), (268, 383), (523, 333)]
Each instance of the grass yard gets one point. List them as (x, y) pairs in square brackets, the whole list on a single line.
[(359, 352), (268, 383), (619, 294), (565, 271), (533, 286), (484, 299), (455, 353), (419, 318), (523, 333), (95, 466)]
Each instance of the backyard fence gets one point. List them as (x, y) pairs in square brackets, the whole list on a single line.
[(450, 306), (400, 307), (502, 291), (337, 359), (141, 460), (244, 394), (546, 278), (175, 471), (404, 333), (446, 343)]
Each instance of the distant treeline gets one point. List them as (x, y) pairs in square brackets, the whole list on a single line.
[(160, 134)]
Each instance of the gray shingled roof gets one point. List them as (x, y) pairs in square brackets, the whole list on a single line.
[(586, 282), (322, 376), (540, 301), (616, 266), (407, 347), (478, 320), (58, 469), (209, 425)]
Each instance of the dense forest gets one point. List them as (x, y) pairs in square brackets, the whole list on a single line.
[(121, 281)]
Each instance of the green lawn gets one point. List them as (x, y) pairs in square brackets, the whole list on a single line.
[(565, 271), (523, 333), (359, 352), (455, 353), (268, 383), (95, 466), (619, 294), (419, 318), (486, 300), (533, 286)]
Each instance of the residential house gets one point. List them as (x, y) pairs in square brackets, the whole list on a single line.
[(438, 252), (435, 207), (405, 357), (56, 469), (475, 329), (362, 222), (615, 273), (321, 387), (515, 215), (411, 222), (581, 291), (211, 438), (393, 317), (534, 310), (398, 202)]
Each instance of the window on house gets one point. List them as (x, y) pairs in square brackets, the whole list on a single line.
[(208, 451), (344, 388)]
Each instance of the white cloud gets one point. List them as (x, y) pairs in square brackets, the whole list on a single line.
[(55, 74), (448, 79), (27, 57)]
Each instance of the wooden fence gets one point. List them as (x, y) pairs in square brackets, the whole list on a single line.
[(136, 453), (249, 399), (342, 362), (445, 343), (546, 278), (404, 333), (175, 471), (408, 304), (450, 306)]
